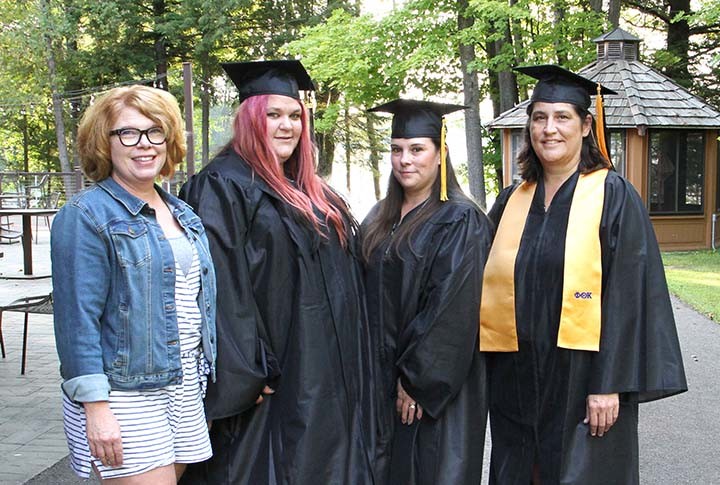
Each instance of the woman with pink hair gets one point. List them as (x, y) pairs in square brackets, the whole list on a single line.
[(290, 403)]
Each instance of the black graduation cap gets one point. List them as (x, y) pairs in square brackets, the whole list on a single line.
[(420, 119), (283, 77), (558, 85), (415, 119)]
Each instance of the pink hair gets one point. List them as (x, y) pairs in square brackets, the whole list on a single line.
[(251, 141)]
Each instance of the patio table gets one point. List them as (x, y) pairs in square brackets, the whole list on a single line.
[(27, 235)]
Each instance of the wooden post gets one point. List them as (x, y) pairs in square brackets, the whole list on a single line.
[(190, 157)]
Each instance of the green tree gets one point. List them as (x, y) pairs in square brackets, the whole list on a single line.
[(344, 56), (692, 41)]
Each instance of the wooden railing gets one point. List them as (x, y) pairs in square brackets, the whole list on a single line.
[(58, 186)]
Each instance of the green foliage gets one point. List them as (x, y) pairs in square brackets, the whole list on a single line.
[(694, 277), (345, 54), (492, 160), (358, 61), (326, 120), (698, 66), (564, 37)]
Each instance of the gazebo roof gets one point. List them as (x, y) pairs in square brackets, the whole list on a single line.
[(617, 34), (646, 98)]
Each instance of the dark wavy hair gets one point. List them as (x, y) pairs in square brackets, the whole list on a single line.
[(389, 209), (591, 159)]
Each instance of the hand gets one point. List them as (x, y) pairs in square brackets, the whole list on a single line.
[(266, 390), (601, 411), (407, 407), (103, 433)]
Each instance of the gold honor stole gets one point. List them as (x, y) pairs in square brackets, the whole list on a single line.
[(582, 276)]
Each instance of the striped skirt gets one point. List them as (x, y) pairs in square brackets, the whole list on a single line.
[(159, 427)]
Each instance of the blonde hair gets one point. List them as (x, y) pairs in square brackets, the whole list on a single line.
[(93, 137)]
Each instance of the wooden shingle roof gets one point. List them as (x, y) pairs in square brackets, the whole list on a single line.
[(646, 98)]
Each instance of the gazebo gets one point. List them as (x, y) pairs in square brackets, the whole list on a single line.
[(663, 139)]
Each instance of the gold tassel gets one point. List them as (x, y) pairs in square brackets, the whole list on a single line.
[(443, 164), (600, 123)]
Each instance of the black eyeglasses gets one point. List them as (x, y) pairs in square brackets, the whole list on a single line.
[(130, 137)]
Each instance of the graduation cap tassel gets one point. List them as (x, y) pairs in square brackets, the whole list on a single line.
[(443, 163), (600, 123)]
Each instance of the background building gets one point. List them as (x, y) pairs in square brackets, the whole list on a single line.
[(663, 139)]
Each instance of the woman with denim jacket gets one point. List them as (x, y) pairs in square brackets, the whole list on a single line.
[(134, 298)]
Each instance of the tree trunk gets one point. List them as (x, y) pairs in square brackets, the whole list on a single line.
[(326, 149), (558, 20), (614, 13), (507, 87), (347, 148), (56, 102), (374, 153), (678, 42), (73, 82), (205, 94), (516, 35), (473, 128), (26, 142), (325, 140), (503, 91), (160, 48)]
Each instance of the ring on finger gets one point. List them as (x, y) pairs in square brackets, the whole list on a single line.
[(412, 405)]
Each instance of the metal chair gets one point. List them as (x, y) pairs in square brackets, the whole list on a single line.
[(49, 201), (42, 304), (8, 236), (37, 191)]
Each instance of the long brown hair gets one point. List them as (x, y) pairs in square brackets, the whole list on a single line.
[(388, 212), (591, 159)]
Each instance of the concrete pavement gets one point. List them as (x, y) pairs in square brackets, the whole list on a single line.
[(678, 436), (31, 434)]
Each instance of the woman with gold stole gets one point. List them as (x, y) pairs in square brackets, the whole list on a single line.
[(576, 320), (425, 246)]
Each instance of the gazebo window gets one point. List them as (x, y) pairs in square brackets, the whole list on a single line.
[(517, 140), (617, 150), (677, 172)]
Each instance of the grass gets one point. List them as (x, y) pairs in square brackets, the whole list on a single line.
[(694, 277)]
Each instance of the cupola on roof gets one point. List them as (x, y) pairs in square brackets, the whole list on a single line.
[(618, 44)]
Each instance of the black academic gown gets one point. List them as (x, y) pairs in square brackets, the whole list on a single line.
[(423, 307), (290, 315), (537, 395)]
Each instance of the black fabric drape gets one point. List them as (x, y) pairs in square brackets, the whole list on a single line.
[(537, 395), (290, 315), (424, 311)]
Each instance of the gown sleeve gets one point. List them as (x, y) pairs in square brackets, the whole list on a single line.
[(639, 349), (439, 342), (245, 362)]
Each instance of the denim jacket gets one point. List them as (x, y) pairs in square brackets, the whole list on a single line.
[(114, 293)]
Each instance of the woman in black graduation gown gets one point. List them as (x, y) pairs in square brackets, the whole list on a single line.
[(424, 262), (575, 314), (287, 405)]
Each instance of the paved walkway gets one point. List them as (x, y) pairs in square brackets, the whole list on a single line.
[(31, 434), (678, 436)]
